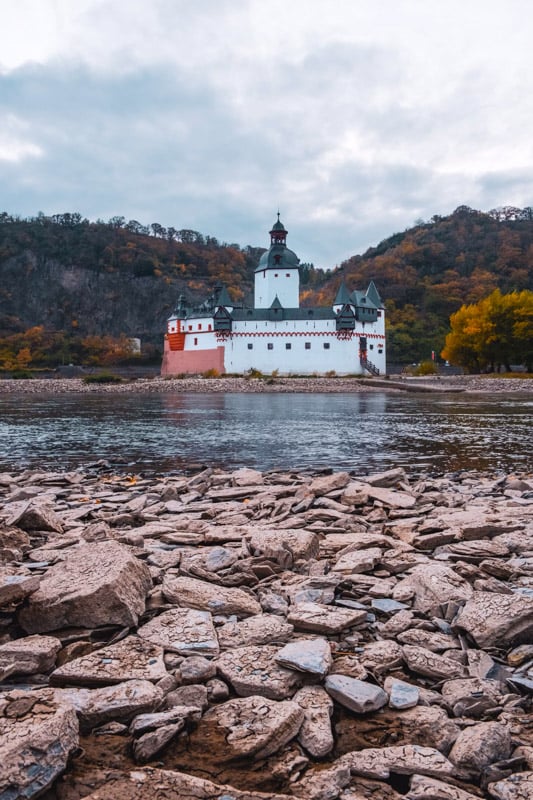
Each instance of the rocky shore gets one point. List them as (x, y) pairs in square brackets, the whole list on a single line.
[(393, 383), (253, 635)]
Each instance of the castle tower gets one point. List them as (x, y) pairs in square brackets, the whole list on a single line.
[(278, 272)]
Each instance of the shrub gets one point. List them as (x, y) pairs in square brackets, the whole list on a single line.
[(253, 373), (330, 374), (426, 368), (211, 373), (103, 377)]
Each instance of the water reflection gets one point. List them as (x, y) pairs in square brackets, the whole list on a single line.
[(344, 431)]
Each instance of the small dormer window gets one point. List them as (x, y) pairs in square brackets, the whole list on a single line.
[(277, 259), (310, 312)]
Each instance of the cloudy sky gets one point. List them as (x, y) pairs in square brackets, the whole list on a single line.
[(354, 117)]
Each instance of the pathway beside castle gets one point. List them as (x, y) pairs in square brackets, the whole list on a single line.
[(266, 635)]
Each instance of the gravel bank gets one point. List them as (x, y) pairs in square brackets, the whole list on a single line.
[(467, 383)]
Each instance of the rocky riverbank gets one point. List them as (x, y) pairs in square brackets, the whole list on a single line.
[(394, 383), (277, 635)]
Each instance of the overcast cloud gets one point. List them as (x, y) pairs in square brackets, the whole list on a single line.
[(355, 117)]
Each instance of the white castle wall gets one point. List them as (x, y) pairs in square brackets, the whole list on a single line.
[(314, 347), (283, 283)]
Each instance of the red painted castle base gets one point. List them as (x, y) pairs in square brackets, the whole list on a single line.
[(191, 362)]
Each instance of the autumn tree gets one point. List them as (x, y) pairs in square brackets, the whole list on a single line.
[(497, 331)]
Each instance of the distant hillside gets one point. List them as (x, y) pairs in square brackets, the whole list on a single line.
[(113, 277), (120, 277), (427, 272)]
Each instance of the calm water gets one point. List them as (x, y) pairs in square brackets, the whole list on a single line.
[(345, 431)]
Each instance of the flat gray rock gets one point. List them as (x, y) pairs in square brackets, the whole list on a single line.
[(130, 659), (28, 655), (253, 671), (432, 665), (252, 727), (150, 722), (328, 483), (315, 735), (382, 657), (34, 515), (324, 619), (34, 746), (16, 585), (306, 655), (515, 787), (402, 695), (172, 785), (149, 744), (193, 593), (481, 745), (494, 619), (182, 630), (432, 585), (118, 703), (100, 583), (259, 629), (357, 561), (358, 696), (284, 546), (424, 788), (410, 759)]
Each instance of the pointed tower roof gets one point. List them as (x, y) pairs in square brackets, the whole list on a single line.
[(223, 298), (343, 295), (276, 303), (373, 295)]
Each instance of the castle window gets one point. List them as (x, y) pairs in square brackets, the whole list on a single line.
[(371, 346), (209, 327), (380, 351), (288, 345), (270, 346), (250, 346), (277, 259), (275, 274), (287, 274), (379, 313), (199, 327), (308, 345), (195, 340), (326, 345), (190, 327)]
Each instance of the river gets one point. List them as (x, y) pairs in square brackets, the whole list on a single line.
[(361, 432)]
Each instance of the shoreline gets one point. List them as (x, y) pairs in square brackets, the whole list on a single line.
[(353, 626), (196, 384)]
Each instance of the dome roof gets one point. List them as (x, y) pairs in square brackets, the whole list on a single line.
[(278, 226), (278, 257)]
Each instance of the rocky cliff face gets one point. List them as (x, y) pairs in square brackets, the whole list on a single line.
[(37, 291)]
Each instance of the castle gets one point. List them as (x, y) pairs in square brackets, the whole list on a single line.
[(346, 338)]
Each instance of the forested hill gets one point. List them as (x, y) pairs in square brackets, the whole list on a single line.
[(118, 277), (114, 277), (427, 272)]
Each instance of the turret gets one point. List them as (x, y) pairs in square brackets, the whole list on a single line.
[(278, 272)]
